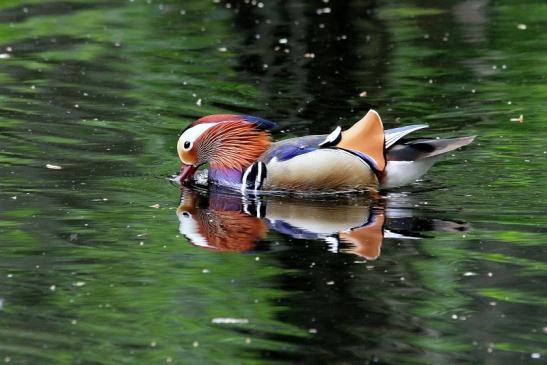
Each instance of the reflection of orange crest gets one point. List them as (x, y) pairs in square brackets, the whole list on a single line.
[(231, 231), (367, 240), (218, 229)]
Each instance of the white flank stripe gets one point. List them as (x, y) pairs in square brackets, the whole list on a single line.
[(258, 176)]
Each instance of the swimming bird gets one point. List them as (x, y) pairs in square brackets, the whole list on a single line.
[(241, 155)]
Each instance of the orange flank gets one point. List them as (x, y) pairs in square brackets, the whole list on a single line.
[(367, 240)]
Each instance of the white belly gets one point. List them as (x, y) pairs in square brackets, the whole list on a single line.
[(323, 170)]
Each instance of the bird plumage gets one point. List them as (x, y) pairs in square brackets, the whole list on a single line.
[(239, 150)]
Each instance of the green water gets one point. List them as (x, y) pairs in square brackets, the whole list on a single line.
[(94, 268)]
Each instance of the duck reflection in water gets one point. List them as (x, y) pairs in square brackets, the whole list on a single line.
[(225, 222)]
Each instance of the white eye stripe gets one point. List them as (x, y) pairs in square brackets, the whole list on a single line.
[(191, 134)]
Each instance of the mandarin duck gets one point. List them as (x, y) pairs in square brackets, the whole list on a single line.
[(241, 155)]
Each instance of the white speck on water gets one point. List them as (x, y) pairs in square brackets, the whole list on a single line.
[(169, 359), (312, 330), (52, 288), (470, 273), (522, 26), (402, 278), (198, 103), (7, 359), (247, 340), (9, 49), (141, 243), (182, 12), (257, 258), (155, 206), (222, 49), (283, 41), (14, 197), (205, 271), (53, 167), (195, 344), (153, 344), (330, 282), (229, 320), (10, 275), (535, 355), (490, 274), (73, 321), (4, 56), (78, 283), (454, 316)]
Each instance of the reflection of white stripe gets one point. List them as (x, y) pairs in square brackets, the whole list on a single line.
[(333, 243), (389, 234)]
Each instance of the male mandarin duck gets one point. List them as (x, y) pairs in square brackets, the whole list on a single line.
[(241, 155)]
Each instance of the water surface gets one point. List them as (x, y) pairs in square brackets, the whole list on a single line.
[(96, 269)]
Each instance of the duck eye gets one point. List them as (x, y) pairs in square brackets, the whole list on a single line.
[(187, 145)]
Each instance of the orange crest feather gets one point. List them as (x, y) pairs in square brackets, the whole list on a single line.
[(233, 145)]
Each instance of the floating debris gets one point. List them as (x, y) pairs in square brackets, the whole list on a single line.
[(4, 56), (223, 49), (53, 167), (522, 26), (227, 320), (309, 55), (363, 94), (283, 41), (155, 206), (198, 103), (520, 119), (535, 355), (195, 344), (330, 282), (52, 288), (78, 283), (470, 273)]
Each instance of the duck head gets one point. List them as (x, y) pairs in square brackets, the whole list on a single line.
[(228, 143)]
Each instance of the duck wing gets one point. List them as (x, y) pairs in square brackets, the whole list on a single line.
[(419, 149), (393, 135), (289, 148)]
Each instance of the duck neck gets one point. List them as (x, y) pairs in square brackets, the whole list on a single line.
[(225, 176)]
